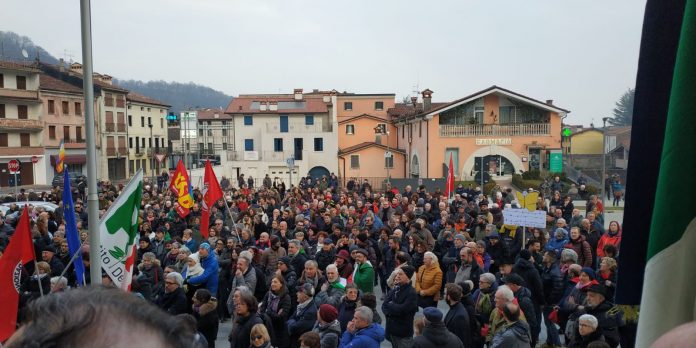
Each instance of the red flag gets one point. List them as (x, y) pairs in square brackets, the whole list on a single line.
[(181, 187), (211, 194), (450, 179), (19, 252)]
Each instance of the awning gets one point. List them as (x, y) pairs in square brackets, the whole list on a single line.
[(69, 159)]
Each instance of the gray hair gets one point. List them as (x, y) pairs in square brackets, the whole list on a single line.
[(331, 266), (149, 255), (561, 220), (590, 320), (175, 276), (243, 290), (488, 277), (296, 243), (569, 255), (431, 255), (311, 263), (506, 292), (365, 313), (246, 255), (184, 249), (60, 281)]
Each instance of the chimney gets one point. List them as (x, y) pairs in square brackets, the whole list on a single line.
[(549, 101), (327, 98), (76, 67), (107, 79), (273, 106), (298, 94), (61, 66), (427, 97), (262, 106), (414, 101)]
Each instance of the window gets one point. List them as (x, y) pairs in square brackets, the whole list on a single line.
[(21, 82), (66, 133), (350, 129), (379, 105), (355, 161), (2, 110), (120, 102), (142, 121), (200, 147), (51, 132), (130, 142), (161, 123), (224, 146), (149, 121), (309, 120), (200, 132), (24, 139), (248, 120), (142, 142), (210, 146), (22, 112), (149, 142), (78, 108), (2, 81), (3, 139), (108, 99), (130, 120), (347, 105), (248, 144), (454, 151), (224, 132), (403, 131), (318, 144), (65, 106), (278, 144), (78, 134), (478, 114), (210, 132), (389, 161), (51, 107)]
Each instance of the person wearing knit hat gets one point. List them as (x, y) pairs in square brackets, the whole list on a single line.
[(344, 265), (400, 307), (435, 333), (209, 262), (327, 326), (590, 272), (302, 320), (285, 260)]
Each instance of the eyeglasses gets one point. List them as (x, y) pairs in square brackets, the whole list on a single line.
[(170, 283), (259, 337)]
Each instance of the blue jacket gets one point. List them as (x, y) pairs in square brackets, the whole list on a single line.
[(369, 337), (210, 274), (556, 245)]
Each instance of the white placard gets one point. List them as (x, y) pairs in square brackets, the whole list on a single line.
[(524, 217)]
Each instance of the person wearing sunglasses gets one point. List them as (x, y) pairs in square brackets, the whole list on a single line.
[(260, 337)]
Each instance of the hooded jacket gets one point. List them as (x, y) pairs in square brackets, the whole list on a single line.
[(515, 335), (606, 239), (369, 337), (435, 335), (210, 273), (583, 249), (208, 323), (329, 334), (532, 280)]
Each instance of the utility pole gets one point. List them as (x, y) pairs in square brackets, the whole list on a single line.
[(604, 160)]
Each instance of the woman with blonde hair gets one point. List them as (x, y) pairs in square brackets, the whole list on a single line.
[(429, 281), (259, 337)]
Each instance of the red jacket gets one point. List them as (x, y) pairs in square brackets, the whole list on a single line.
[(607, 239)]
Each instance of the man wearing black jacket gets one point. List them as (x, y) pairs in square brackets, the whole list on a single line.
[(524, 266), (400, 307), (457, 319), (553, 291)]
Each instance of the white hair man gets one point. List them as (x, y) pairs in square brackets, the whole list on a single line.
[(361, 331)]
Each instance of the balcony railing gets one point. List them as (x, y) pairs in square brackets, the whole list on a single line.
[(121, 127), (115, 127), (19, 94), (116, 151), (23, 125), (475, 130), (268, 156), (299, 128)]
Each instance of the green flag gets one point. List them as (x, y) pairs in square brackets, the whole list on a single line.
[(118, 229), (669, 294)]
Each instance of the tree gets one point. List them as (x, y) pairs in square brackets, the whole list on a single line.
[(623, 112)]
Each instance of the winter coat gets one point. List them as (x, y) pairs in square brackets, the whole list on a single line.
[(498, 323), (606, 239), (583, 249), (278, 317), (209, 278), (302, 320), (239, 336), (329, 334), (325, 258), (298, 261), (247, 279), (457, 322), (435, 335), (527, 306), (369, 337), (515, 335), (484, 304), (399, 308), (173, 302), (345, 312), (532, 279), (553, 284), (208, 323), (474, 274), (583, 341), (364, 278), (609, 318), (332, 295), (556, 245), (269, 259), (429, 280)]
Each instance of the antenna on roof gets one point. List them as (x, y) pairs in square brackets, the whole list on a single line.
[(68, 56)]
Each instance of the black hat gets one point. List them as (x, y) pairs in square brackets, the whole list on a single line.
[(525, 254), (285, 260), (363, 251), (432, 314), (408, 270), (49, 248), (598, 289), (482, 203), (513, 278)]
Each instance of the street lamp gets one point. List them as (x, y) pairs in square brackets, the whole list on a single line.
[(604, 159), (387, 155), (152, 153)]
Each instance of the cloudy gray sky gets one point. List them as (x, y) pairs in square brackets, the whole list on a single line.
[(582, 54)]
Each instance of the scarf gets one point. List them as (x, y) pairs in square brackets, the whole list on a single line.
[(303, 305), (483, 303), (339, 284), (273, 301)]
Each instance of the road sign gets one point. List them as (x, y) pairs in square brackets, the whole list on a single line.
[(35, 159), (556, 161), (160, 157), (13, 166), (290, 161)]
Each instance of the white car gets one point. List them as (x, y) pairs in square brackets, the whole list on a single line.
[(48, 206)]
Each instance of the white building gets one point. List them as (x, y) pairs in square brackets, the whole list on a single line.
[(271, 128)]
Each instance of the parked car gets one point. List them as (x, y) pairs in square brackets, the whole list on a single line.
[(48, 206)]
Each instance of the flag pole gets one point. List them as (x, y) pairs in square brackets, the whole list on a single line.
[(72, 260), (88, 88)]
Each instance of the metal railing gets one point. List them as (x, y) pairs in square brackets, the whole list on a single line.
[(473, 130), (298, 128)]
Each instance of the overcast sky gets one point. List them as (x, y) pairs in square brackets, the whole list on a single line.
[(581, 54)]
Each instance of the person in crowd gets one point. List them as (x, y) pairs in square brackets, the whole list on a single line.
[(558, 242), (429, 281), (276, 306), (435, 334), (332, 291), (259, 336), (457, 318), (609, 318), (310, 339), (503, 296), (515, 334), (612, 237), (37, 285), (552, 282), (297, 254), (578, 243), (526, 304), (364, 273), (245, 274), (399, 308), (361, 332), (588, 332), (205, 312), (59, 284), (173, 298), (302, 320), (347, 306), (469, 269), (370, 301), (240, 336), (327, 326), (607, 275), (344, 265), (48, 255), (209, 277)]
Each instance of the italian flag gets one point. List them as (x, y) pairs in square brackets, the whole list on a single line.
[(118, 230), (669, 289)]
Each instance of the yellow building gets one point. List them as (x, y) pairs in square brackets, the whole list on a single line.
[(585, 142)]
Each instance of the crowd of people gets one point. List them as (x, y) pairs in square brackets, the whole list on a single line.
[(308, 266)]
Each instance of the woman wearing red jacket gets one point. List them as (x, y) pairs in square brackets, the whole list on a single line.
[(613, 237)]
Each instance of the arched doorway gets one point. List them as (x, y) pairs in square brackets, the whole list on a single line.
[(415, 167), (495, 159), (498, 165), (318, 172)]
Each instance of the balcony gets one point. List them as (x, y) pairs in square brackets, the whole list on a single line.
[(118, 152), (75, 143), (121, 127), (19, 94), (476, 130), (299, 128), (114, 127), (12, 124)]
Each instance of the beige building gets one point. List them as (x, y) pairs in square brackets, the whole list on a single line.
[(147, 134), (20, 123)]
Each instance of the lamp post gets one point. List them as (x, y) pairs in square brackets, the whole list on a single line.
[(387, 155), (604, 159), (152, 153)]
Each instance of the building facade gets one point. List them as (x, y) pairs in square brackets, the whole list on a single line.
[(494, 130), (215, 136), (21, 125), (367, 140), (147, 134), (272, 128)]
